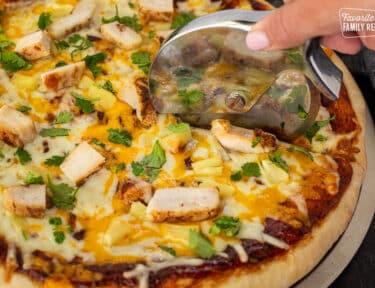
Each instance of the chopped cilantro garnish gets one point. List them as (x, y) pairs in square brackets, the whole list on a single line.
[(236, 176), (310, 133), (79, 43), (151, 164), (92, 60), (60, 64), (62, 44), (23, 156), (200, 244), (227, 225), (55, 221), (83, 104), (302, 114), (251, 169), (13, 62), (278, 161), (32, 179), (118, 168), (128, 21), (295, 56), (302, 150), (256, 142), (179, 128), (98, 143), (108, 86), (63, 117), (54, 132), (181, 20), (55, 160), (119, 137), (24, 108), (168, 250), (63, 196), (186, 76), (190, 97), (142, 59), (320, 138), (44, 20)]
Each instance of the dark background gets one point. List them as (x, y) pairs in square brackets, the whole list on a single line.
[(360, 273)]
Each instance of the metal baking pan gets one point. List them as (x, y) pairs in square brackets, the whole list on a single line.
[(346, 247)]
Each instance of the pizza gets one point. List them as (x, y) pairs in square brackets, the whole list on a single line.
[(99, 190)]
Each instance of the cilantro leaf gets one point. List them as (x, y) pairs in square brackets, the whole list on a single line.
[(60, 64), (151, 34), (236, 176), (63, 117), (185, 76), (85, 105), (79, 43), (44, 20), (228, 225), (118, 168), (92, 60), (200, 244), (256, 142), (98, 143), (310, 133), (251, 169), (54, 132), (295, 56), (24, 109), (190, 97), (302, 150), (5, 44), (32, 179), (302, 114), (295, 98), (131, 22), (55, 160), (55, 221), (168, 250), (142, 59), (320, 138), (13, 62), (119, 137), (23, 156), (63, 196), (278, 161), (181, 20), (151, 164), (179, 128), (62, 44), (59, 237), (131, 5), (109, 87)]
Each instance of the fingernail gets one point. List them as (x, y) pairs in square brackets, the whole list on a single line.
[(257, 40)]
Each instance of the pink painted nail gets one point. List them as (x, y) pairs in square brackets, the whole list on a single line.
[(257, 40)]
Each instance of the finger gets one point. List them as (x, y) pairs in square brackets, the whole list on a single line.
[(344, 45), (368, 39), (294, 23)]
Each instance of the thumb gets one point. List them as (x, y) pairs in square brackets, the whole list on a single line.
[(293, 24)]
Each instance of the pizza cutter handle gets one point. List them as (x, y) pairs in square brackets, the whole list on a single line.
[(326, 76)]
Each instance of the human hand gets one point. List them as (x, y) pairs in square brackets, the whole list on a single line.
[(300, 20)]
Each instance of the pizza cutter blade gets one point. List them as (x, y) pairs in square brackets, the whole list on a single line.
[(205, 71)]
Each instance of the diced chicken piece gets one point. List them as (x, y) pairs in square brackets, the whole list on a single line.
[(25, 201), (133, 191), (241, 139), (16, 128), (137, 96), (81, 163), (160, 10), (121, 35), (80, 17), (34, 46), (64, 76), (183, 204)]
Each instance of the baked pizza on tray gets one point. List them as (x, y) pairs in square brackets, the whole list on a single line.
[(98, 190)]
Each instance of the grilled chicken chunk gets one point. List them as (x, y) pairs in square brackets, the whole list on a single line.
[(34, 46), (183, 204), (121, 35), (13, 4), (63, 77), (16, 128), (80, 17), (81, 163), (160, 10), (25, 201), (136, 190), (241, 139)]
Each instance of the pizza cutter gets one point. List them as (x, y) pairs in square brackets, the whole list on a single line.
[(204, 71)]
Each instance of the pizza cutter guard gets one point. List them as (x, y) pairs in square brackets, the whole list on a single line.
[(205, 71)]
